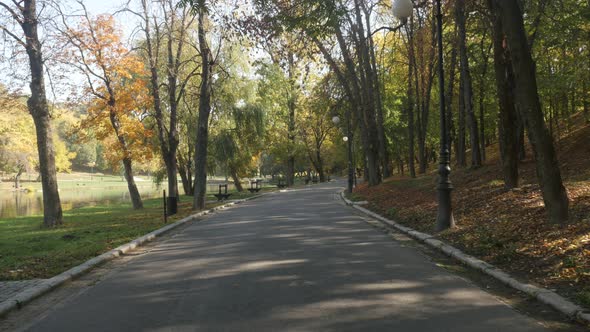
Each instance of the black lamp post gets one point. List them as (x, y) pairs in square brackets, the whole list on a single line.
[(444, 220), (348, 139)]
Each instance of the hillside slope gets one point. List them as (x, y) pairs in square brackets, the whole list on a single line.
[(507, 228)]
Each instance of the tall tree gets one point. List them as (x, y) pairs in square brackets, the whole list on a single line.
[(423, 72), (26, 15), (508, 120), (317, 124), (467, 84), (292, 104), (486, 51), (450, 93), (169, 30), (202, 137), (115, 81), (410, 101), (548, 173), (335, 24)]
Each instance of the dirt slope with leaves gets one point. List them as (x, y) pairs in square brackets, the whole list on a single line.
[(507, 228)]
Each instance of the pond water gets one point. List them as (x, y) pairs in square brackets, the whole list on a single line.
[(21, 203)]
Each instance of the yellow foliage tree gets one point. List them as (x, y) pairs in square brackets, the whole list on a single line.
[(118, 90), (18, 143)]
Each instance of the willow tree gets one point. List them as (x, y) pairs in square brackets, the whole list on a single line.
[(237, 145)]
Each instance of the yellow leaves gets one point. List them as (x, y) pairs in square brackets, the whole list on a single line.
[(63, 157), (121, 96), (18, 142)]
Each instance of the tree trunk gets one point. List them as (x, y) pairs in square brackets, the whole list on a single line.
[(17, 178), (467, 83), (410, 109), (449, 98), (350, 83), (186, 173), (585, 101), (548, 173), (411, 152), (373, 86), (424, 82), (133, 192), (236, 179), (320, 166), (291, 125), (186, 179), (37, 105), (551, 117), (418, 96), (203, 121), (460, 151), (482, 132), (172, 173), (507, 111), (482, 88), (168, 145), (364, 114), (116, 124), (520, 128)]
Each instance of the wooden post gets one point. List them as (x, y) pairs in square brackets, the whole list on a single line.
[(165, 214)]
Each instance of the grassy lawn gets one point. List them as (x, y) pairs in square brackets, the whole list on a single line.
[(28, 250), (77, 180)]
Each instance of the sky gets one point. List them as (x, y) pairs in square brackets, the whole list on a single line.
[(103, 6), (18, 81), (127, 21)]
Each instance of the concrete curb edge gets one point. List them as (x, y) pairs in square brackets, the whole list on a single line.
[(29, 294), (543, 295)]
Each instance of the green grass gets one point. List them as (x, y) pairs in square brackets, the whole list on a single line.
[(584, 297), (28, 250), (354, 197)]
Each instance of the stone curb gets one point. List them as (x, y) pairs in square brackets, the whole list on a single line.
[(29, 294), (543, 295)]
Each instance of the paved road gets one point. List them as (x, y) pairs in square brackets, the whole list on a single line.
[(292, 261)]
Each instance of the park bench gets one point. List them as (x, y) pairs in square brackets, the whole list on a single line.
[(222, 196), (281, 184), (255, 186)]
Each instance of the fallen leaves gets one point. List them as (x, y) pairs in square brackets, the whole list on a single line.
[(508, 228)]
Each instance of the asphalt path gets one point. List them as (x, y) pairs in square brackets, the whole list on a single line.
[(291, 261)]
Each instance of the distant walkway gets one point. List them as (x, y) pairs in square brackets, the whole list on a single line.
[(292, 261)]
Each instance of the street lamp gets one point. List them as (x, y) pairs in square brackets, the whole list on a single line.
[(351, 177), (444, 219), (402, 9)]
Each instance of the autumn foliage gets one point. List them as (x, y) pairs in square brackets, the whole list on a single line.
[(506, 227), (117, 89)]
